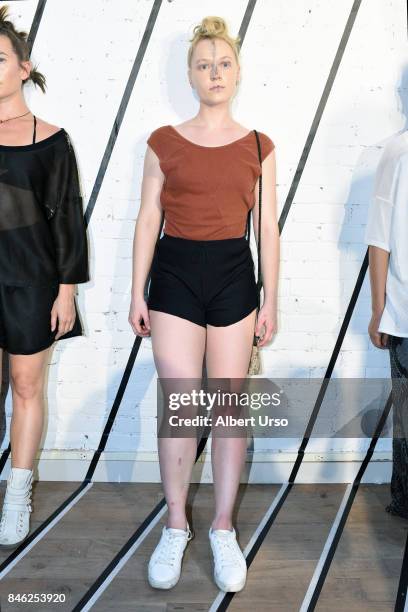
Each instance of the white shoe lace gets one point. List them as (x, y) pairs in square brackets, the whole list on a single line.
[(169, 547), (21, 503), (226, 551)]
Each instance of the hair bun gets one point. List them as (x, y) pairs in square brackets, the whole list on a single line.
[(212, 26)]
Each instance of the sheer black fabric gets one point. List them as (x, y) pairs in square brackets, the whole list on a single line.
[(42, 230)]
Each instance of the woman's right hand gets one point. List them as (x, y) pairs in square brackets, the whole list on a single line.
[(138, 312), (379, 339)]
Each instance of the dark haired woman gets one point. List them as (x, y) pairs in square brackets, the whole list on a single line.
[(43, 254), (202, 298)]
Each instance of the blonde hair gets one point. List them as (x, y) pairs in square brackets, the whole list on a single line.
[(213, 27)]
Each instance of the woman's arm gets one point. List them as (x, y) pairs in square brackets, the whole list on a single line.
[(69, 236), (270, 247), (378, 268), (147, 229)]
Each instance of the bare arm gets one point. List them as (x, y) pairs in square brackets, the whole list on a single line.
[(146, 233), (270, 247), (378, 268)]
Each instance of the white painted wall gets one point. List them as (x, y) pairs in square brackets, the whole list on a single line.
[(86, 50)]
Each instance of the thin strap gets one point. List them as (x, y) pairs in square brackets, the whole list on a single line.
[(248, 228), (259, 281), (35, 128)]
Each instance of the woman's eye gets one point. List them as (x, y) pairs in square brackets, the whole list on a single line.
[(203, 66), (227, 63)]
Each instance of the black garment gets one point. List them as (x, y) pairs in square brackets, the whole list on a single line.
[(42, 231), (25, 319), (398, 349), (42, 239), (203, 281)]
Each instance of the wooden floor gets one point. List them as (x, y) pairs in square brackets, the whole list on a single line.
[(363, 575)]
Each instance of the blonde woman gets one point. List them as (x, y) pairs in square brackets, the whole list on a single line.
[(202, 298)]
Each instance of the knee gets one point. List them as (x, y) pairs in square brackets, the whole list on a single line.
[(25, 387)]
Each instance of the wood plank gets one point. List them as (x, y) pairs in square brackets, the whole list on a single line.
[(365, 570), (280, 574)]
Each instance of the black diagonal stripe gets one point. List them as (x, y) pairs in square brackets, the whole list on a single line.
[(16, 552), (4, 456), (356, 484), (122, 108), (403, 583), (246, 20), (320, 109), (330, 368), (123, 551), (114, 409), (35, 24)]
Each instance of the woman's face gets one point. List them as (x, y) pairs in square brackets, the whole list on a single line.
[(11, 72), (213, 64)]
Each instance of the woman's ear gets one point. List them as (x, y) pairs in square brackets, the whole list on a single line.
[(25, 69)]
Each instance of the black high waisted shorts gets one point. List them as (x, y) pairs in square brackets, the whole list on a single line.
[(204, 281), (25, 319)]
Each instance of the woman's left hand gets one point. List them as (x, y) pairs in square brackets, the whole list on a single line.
[(63, 311), (267, 320)]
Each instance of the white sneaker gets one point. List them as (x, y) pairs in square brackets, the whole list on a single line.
[(165, 563), (230, 568), (15, 518)]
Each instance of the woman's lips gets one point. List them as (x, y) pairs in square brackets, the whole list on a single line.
[(216, 88)]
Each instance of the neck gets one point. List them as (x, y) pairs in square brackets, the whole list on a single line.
[(12, 106), (214, 117)]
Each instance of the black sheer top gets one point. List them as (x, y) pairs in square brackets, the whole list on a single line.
[(42, 230)]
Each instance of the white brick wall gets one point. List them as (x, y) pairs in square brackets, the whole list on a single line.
[(86, 50)]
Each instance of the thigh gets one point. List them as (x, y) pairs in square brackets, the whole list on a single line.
[(178, 345), (29, 370), (228, 349)]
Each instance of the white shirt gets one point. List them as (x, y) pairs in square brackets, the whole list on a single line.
[(387, 228)]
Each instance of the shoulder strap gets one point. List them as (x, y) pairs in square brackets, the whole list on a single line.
[(35, 128), (259, 281)]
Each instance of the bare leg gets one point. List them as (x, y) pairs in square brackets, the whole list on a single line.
[(27, 373), (178, 349), (227, 356)]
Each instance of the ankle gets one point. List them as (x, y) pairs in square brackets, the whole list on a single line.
[(222, 523), (176, 522), (20, 477)]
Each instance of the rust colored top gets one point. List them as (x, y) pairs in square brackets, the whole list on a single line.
[(207, 191)]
